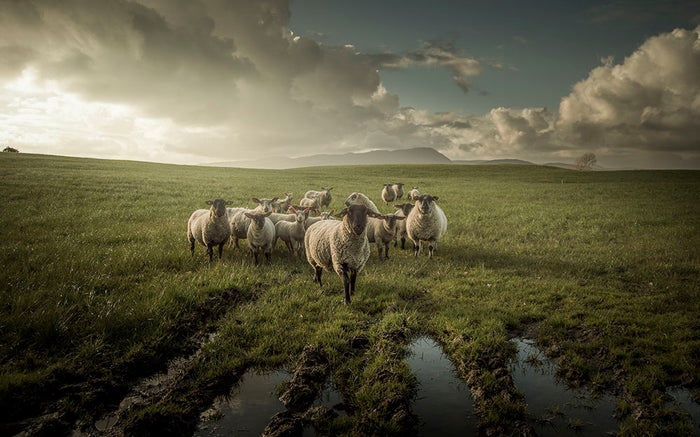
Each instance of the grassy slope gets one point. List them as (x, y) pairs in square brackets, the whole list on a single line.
[(603, 266)]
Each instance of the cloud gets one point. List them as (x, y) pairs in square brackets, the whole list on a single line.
[(650, 101)]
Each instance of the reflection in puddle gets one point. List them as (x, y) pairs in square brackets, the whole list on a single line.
[(556, 408), (444, 404), (252, 403), (683, 402), (247, 411)]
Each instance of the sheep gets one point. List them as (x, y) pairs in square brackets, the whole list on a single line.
[(324, 196), (309, 202), (413, 194), (360, 199), (398, 187), (284, 203), (340, 246), (328, 215), (425, 222), (388, 194), (210, 227), (240, 222), (403, 210), (277, 217), (382, 230), (292, 233), (261, 234)]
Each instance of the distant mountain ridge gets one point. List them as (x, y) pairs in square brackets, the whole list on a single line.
[(418, 155)]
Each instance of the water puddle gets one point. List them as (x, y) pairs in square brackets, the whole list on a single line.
[(247, 410), (558, 409), (683, 402), (444, 403)]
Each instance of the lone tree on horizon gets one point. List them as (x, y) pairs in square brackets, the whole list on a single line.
[(10, 149), (586, 161)]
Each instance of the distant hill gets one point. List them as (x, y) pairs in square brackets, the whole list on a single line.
[(419, 155)]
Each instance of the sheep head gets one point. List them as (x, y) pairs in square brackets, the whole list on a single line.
[(355, 218)]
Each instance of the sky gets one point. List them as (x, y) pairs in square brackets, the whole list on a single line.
[(200, 81)]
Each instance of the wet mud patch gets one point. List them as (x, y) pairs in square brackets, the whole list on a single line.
[(555, 407), (443, 404)]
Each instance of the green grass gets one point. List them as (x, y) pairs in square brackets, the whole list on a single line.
[(603, 266)]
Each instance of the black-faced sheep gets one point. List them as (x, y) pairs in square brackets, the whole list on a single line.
[(340, 246)]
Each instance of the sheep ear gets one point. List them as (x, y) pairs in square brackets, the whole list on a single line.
[(249, 215), (332, 211), (435, 199), (306, 211), (209, 202), (399, 217), (267, 214), (342, 213), (375, 215), (274, 199), (229, 202), (398, 206), (255, 199), (291, 208)]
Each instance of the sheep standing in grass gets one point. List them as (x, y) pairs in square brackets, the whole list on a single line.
[(261, 234), (360, 199), (403, 210), (310, 202), (425, 222), (413, 194), (340, 246), (399, 190), (388, 194), (240, 222), (210, 227), (382, 230), (292, 233), (324, 197), (285, 203)]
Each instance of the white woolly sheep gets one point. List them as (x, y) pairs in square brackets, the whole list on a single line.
[(285, 203), (388, 194), (261, 234), (382, 230), (340, 246), (413, 194), (398, 187), (209, 227), (403, 210), (361, 199), (426, 222), (310, 202), (324, 196), (240, 222), (292, 233)]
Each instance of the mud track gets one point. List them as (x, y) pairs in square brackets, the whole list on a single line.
[(73, 403)]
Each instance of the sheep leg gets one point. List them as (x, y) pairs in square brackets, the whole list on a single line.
[(192, 247), (255, 256), (353, 278), (317, 278), (210, 252), (379, 250), (346, 285), (386, 250), (416, 248), (268, 256), (221, 250), (403, 243), (290, 246)]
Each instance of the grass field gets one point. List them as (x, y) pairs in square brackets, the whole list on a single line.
[(98, 289)]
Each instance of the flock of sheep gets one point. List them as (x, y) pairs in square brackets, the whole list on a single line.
[(342, 246)]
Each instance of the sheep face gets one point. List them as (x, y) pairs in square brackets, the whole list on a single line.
[(258, 219), (265, 203), (300, 215), (424, 203), (218, 207), (405, 208), (391, 221), (355, 218)]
